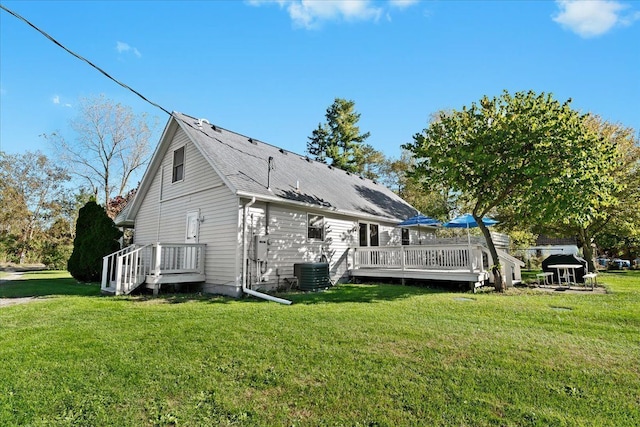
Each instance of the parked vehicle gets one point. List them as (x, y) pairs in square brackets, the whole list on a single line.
[(620, 264)]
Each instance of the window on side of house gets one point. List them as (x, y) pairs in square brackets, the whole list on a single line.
[(406, 240), (362, 233), (374, 235), (178, 165), (315, 227), (368, 234)]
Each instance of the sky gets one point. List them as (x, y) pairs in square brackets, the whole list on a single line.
[(270, 69)]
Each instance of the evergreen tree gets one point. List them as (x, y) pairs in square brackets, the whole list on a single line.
[(96, 236), (339, 139)]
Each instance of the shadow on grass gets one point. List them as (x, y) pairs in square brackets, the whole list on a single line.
[(36, 287), (39, 285), (360, 293)]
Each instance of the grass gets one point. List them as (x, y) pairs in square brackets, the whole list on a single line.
[(356, 355), (46, 283)]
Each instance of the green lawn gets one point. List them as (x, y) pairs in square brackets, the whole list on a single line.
[(357, 355)]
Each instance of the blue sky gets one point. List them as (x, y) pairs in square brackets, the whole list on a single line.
[(269, 69)]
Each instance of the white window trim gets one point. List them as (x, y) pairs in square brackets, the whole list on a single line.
[(368, 234), (324, 228), (184, 160)]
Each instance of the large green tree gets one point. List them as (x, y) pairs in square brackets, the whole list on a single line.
[(32, 190), (525, 152), (339, 140), (435, 201), (615, 221)]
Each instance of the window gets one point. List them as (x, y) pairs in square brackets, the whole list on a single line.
[(405, 237), (178, 165), (368, 234), (315, 227), (363, 234), (373, 235)]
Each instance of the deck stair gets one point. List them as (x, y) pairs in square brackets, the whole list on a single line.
[(153, 264)]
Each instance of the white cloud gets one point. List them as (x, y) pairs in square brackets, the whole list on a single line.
[(123, 47), (56, 101), (593, 18), (313, 13), (402, 4)]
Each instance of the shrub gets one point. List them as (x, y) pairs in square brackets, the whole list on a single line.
[(96, 236)]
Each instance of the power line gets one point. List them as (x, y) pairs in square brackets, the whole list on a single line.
[(82, 58)]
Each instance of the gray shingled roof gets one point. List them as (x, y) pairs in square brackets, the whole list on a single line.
[(244, 164)]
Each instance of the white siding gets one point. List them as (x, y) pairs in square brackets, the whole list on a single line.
[(288, 242), (163, 212)]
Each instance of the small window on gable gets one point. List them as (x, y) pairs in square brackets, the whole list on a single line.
[(178, 165), (315, 227)]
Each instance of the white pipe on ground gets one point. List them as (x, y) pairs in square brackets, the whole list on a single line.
[(245, 257)]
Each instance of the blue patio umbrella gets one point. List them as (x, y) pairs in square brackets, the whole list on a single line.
[(418, 222), (467, 221)]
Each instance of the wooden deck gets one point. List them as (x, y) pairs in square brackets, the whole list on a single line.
[(153, 265), (454, 263)]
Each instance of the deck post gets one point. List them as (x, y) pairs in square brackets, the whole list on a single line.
[(105, 271), (471, 254), (119, 275), (402, 255), (157, 259)]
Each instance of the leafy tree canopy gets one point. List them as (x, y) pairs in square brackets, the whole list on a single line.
[(525, 152)]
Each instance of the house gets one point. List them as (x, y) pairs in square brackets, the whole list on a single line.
[(546, 246), (237, 214), (251, 210)]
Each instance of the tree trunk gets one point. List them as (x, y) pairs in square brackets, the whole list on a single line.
[(587, 250), (499, 283)]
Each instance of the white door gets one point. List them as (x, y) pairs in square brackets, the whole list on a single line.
[(193, 229)]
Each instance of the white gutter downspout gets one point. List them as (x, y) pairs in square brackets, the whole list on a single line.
[(244, 260)]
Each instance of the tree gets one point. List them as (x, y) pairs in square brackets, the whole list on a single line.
[(111, 144), (96, 237), (339, 139), (615, 224), (527, 153), (31, 188), (434, 201)]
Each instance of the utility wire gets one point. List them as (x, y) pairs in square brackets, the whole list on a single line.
[(82, 58)]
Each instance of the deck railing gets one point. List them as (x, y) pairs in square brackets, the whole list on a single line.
[(474, 258), (450, 257), (125, 270)]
